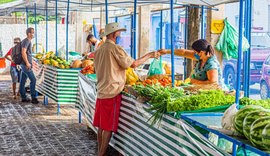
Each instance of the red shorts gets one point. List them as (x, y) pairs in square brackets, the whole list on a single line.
[(107, 113)]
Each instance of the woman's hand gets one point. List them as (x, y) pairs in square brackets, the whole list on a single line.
[(163, 51), (193, 81)]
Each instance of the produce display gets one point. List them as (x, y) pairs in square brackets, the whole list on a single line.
[(165, 81), (88, 69), (252, 121), (131, 77), (256, 130), (250, 118), (266, 136), (247, 101), (52, 60), (167, 99), (240, 117)]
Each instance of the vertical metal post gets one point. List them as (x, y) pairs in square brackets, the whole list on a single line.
[(46, 25), (67, 30), (106, 10), (202, 22), (239, 60), (172, 42), (132, 38), (36, 40), (161, 29), (94, 28), (234, 150), (80, 117), (56, 28), (186, 41), (245, 61), (249, 8), (26, 9), (134, 30)]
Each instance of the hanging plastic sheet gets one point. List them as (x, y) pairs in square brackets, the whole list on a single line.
[(228, 42)]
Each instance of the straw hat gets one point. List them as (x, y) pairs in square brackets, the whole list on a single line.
[(113, 27)]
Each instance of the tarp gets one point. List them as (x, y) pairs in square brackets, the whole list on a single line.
[(135, 136), (96, 5), (60, 85)]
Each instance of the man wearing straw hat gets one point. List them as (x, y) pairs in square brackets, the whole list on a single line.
[(110, 63)]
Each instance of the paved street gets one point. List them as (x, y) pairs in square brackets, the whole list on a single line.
[(27, 129)]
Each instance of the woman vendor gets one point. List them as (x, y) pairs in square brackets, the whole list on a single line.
[(207, 70)]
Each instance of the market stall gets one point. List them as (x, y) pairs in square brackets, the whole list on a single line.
[(60, 85), (136, 135)]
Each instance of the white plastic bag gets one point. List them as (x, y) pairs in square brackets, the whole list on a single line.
[(227, 119)]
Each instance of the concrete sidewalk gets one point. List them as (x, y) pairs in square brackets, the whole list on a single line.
[(27, 129)]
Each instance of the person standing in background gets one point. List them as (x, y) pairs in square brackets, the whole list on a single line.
[(14, 72), (26, 66)]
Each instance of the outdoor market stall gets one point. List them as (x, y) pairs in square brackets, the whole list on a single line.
[(60, 85), (136, 135)]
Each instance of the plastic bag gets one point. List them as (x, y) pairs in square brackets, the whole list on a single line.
[(220, 142), (155, 67), (227, 119), (228, 42)]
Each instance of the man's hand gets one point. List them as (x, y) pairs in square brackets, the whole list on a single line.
[(154, 55), (28, 66)]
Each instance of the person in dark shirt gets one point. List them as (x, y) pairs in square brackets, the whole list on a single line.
[(26, 66)]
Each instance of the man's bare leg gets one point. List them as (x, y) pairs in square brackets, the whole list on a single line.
[(99, 138), (106, 137), (14, 90)]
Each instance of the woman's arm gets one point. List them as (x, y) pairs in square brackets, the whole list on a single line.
[(212, 76), (179, 52)]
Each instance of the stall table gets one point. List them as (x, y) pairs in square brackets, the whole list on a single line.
[(136, 135), (211, 121)]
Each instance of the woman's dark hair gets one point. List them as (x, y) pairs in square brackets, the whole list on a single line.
[(89, 37), (203, 45)]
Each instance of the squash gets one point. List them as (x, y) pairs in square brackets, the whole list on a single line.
[(76, 64), (86, 63)]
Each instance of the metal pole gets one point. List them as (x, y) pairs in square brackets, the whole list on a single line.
[(239, 60), (94, 28), (186, 41), (161, 29), (67, 30), (27, 17), (134, 30), (56, 29), (249, 40), (106, 10), (172, 42), (46, 25), (202, 22), (245, 61), (35, 5), (132, 37)]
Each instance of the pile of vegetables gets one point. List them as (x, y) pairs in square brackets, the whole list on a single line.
[(247, 101), (166, 99), (201, 100), (158, 97)]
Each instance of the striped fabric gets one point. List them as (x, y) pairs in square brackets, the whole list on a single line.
[(135, 136), (61, 85)]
